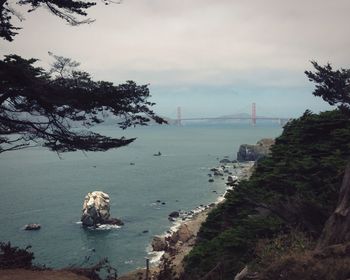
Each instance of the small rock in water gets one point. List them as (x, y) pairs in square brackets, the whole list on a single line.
[(145, 231), (32, 227), (211, 180)]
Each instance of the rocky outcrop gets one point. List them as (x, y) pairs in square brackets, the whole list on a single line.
[(254, 152), (159, 243), (96, 209), (183, 234)]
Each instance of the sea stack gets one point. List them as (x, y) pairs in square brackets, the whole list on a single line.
[(96, 210)]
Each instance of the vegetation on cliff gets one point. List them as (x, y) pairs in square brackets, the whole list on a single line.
[(291, 192)]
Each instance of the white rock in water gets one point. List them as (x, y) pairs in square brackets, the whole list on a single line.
[(96, 208)]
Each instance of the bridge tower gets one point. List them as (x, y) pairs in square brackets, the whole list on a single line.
[(178, 120), (253, 114)]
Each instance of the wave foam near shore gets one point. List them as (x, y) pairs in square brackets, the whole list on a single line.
[(240, 173)]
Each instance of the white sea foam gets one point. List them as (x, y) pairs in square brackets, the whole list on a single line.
[(107, 227), (156, 257), (101, 227)]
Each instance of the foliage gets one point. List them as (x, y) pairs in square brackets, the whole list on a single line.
[(95, 272), (72, 11), (14, 257), (295, 187), (38, 104), (332, 86)]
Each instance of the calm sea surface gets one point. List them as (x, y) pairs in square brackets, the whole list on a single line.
[(36, 186)]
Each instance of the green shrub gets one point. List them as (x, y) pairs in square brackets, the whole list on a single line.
[(14, 257)]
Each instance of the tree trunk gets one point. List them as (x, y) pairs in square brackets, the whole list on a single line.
[(337, 227)]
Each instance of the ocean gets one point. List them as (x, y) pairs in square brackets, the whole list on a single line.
[(38, 186)]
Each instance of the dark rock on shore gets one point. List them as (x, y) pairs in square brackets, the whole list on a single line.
[(174, 215), (159, 243), (255, 152)]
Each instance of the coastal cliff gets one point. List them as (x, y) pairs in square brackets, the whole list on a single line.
[(281, 211)]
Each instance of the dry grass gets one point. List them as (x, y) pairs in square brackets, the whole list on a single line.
[(268, 251), (297, 261)]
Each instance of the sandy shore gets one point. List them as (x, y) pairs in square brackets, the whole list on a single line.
[(184, 232)]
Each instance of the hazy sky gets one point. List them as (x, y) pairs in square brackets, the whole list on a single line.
[(209, 57)]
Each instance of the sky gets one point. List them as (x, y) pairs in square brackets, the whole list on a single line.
[(211, 58)]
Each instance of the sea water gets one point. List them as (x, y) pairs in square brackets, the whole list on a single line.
[(38, 186)]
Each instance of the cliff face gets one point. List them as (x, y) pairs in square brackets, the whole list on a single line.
[(254, 152)]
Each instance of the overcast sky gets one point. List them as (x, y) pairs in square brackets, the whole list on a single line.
[(209, 57)]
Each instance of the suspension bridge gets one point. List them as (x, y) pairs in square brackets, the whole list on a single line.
[(252, 117)]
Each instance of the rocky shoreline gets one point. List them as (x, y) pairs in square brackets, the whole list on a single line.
[(176, 243)]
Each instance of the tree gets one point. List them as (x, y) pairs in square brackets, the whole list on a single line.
[(48, 107), (332, 86), (72, 11)]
